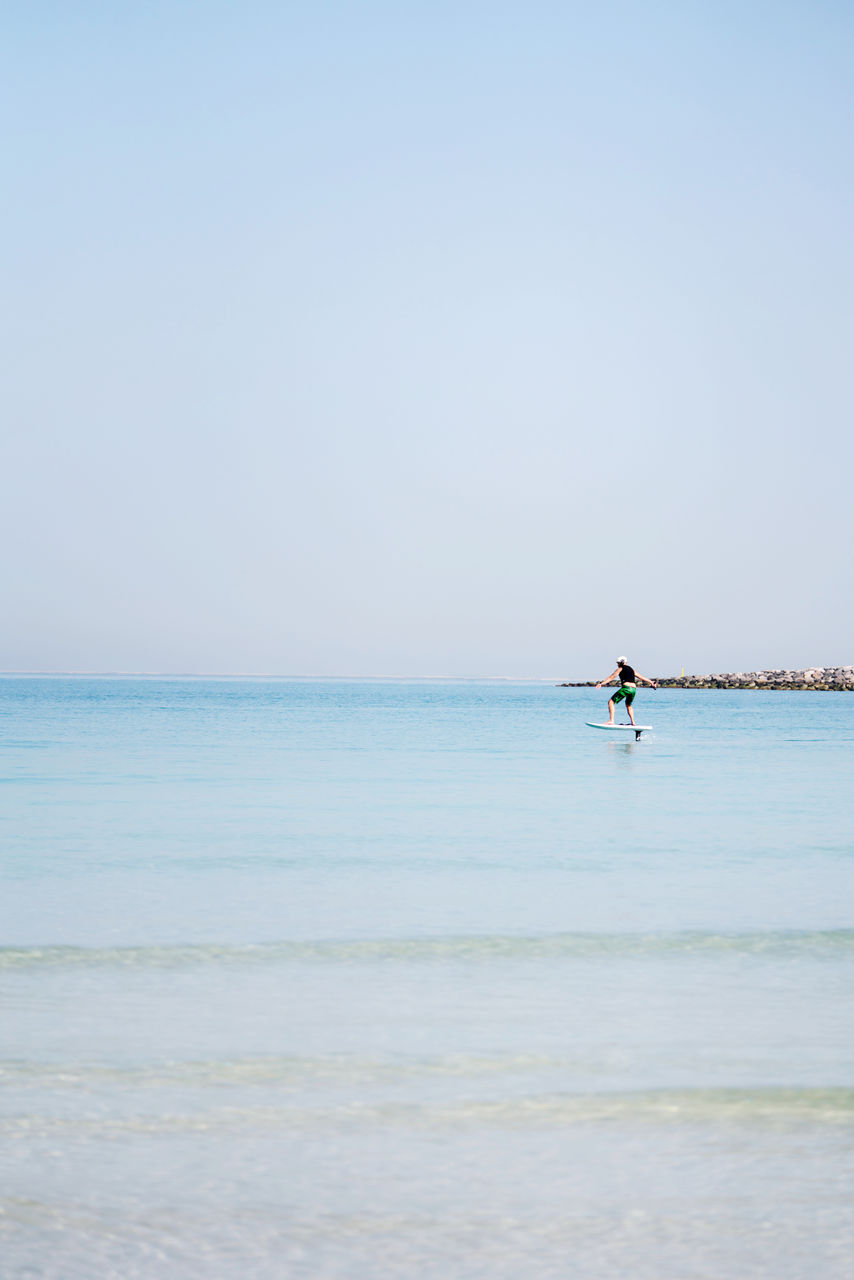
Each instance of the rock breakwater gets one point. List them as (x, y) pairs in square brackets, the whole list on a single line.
[(816, 678)]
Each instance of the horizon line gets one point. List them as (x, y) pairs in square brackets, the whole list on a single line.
[(267, 675)]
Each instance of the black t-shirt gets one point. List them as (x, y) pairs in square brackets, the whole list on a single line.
[(627, 674)]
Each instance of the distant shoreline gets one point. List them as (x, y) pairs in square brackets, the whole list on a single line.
[(822, 679)]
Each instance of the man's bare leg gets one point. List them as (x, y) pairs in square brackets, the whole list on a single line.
[(629, 709), (611, 705)]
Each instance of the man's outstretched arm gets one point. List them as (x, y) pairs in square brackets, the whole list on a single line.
[(609, 678)]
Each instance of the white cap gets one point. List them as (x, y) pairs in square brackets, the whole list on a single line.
[(620, 661)]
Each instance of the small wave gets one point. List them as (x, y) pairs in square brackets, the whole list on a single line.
[(271, 1070), (471, 948), (772, 1106)]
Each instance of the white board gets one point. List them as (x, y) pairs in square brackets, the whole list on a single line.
[(634, 728)]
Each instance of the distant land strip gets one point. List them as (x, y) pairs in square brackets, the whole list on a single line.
[(821, 678)]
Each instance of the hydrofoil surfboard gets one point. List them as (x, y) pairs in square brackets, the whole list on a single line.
[(636, 729)]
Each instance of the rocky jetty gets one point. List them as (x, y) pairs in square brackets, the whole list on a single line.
[(820, 678)]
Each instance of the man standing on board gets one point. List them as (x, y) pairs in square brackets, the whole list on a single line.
[(628, 679)]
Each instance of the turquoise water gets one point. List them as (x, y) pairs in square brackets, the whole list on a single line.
[(422, 979)]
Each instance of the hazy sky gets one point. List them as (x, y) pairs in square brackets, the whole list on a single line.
[(447, 338)]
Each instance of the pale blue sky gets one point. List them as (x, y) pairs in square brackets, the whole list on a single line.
[(427, 339)]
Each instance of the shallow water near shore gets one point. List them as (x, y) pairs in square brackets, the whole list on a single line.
[(349, 979)]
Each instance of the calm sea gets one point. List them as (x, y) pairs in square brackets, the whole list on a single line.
[(414, 979)]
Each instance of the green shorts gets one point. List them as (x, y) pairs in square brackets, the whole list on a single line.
[(626, 691)]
